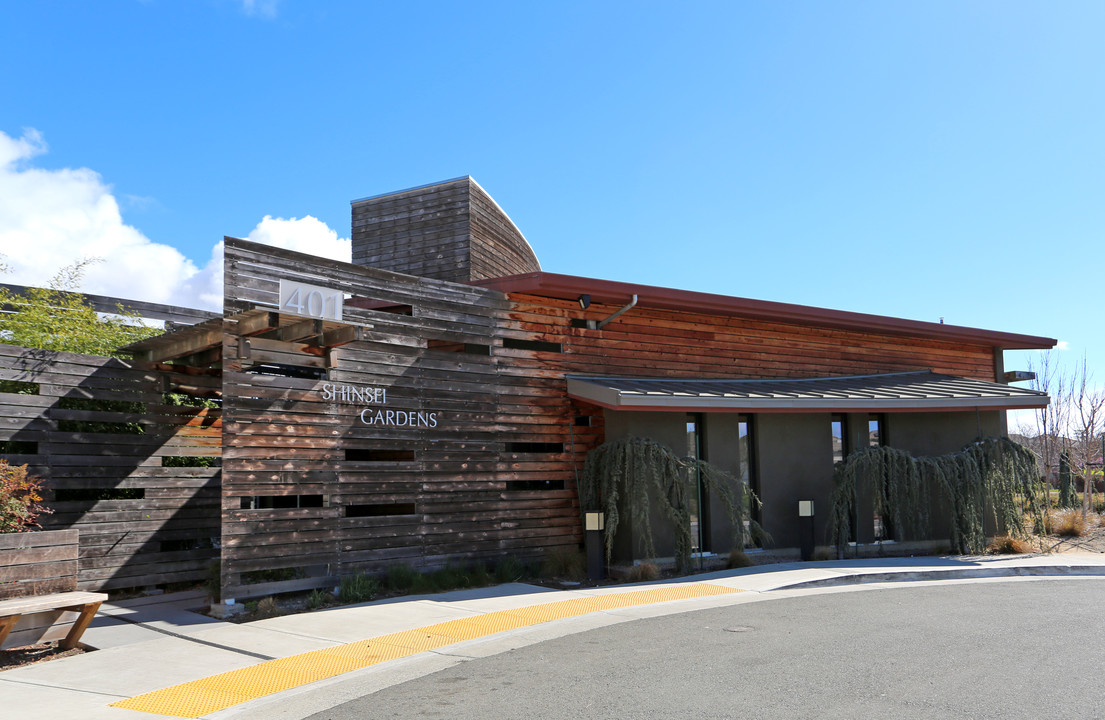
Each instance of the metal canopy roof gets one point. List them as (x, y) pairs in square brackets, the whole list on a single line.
[(906, 391)]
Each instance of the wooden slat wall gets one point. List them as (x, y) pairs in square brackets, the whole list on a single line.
[(449, 231), (497, 247), (121, 540), (284, 439)]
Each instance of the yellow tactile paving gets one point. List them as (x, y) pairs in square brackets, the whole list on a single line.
[(477, 626), (369, 652), (199, 697), (418, 640)]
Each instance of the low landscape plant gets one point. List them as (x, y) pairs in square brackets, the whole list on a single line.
[(738, 558), (509, 569), (643, 573), (401, 577), (1006, 545), (564, 563), (358, 588), (1066, 523), (20, 499)]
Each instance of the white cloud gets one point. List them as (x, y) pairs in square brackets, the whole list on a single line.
[(51, 218), (309, 235), (1062, 345)]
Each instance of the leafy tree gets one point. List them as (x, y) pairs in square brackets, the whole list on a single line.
[(60, 318)]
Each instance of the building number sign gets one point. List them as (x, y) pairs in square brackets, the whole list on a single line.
[(311, 301)]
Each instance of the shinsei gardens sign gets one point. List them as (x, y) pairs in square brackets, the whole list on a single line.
[(376, 415), (322, 303)]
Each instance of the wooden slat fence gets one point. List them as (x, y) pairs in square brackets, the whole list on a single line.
[(113, 447)]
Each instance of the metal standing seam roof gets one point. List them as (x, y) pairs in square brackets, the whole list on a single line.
[(917, 391)]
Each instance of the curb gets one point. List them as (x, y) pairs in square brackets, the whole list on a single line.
[(953, 574)]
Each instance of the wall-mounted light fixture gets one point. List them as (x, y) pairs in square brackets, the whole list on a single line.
[(584, 301)]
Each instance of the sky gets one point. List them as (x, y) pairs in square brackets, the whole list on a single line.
[(921, 160)]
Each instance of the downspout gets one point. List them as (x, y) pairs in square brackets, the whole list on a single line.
[(627, 308)]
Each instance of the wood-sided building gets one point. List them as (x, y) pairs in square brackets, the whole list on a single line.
[(434, 400)]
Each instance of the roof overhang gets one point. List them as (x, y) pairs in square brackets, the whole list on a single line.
[(892, 392), (609, 292)]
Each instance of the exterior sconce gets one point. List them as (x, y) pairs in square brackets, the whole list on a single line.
[(584, 301)]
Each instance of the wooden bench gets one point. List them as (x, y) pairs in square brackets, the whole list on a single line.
[(40, 615)]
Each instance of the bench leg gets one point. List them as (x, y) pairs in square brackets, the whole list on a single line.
[(6, 625), (74, 636)]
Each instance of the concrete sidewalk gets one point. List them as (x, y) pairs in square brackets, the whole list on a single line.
[(148, 645)]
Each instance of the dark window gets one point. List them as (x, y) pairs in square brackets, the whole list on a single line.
[(539, 345), (18, 447), (97, 494), (522, 485), (190, 461), (535, 447), (746, 473), (291, 371), (379, 510), (188, 544), (583, 421), (282, 502), (458, 347), (395, 309), (377, 455)]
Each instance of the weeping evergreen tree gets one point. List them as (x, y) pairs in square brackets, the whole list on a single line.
[(993, 479), (621, 474), (1068, 498)]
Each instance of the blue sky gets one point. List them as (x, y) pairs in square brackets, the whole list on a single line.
[(918, 160)]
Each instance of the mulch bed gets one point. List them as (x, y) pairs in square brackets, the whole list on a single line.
[(31, 654)]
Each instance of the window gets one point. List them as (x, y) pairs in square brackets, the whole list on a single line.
[(699, 529), (840, 438), (746, 474), (876, 436)]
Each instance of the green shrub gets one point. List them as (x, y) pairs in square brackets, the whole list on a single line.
[(317, 599), (358, 588), (509, 569), (20, 499), (400, 577), (479, 574), (423, 584), (450, 577)]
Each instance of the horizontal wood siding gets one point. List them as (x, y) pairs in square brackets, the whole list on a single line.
[(38, 563), (448, 231), (419, 232), (647, 342), (497, 247), (168, 534)]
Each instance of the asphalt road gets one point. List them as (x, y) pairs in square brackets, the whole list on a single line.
[(1027, 649)]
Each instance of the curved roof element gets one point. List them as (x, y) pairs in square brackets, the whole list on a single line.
[(452, 230)]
